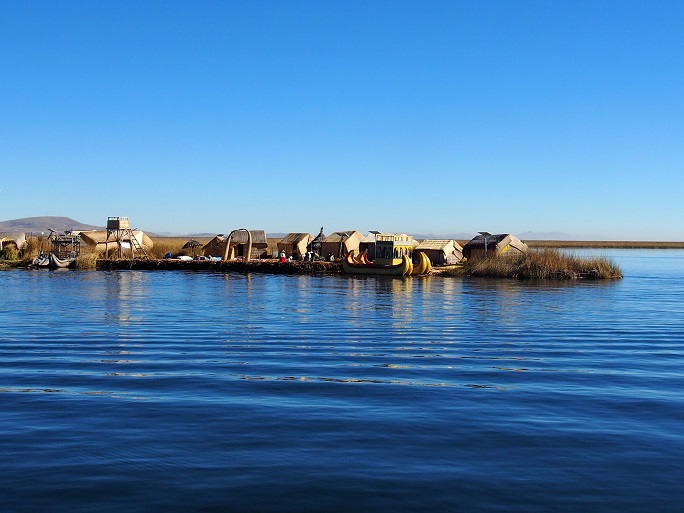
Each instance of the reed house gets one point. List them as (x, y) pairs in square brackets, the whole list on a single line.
[(339, 244), (238, 244), (14, 240), (489, 245), (295, 244), (441, 252), (99, 240)]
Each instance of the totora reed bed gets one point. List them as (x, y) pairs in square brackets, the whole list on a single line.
[(546, 263)]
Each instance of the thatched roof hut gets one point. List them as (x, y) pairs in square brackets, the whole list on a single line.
[(493, 245), (215, 246), (238, 243), (295, 244), (15, 239), (441, 251), (97, 239), (339, 244)]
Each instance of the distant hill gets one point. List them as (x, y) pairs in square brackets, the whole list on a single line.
[(45, 224)]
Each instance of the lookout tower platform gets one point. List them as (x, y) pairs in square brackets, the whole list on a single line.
[(120, 233)]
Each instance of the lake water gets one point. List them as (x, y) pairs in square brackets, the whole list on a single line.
[(209, 392)]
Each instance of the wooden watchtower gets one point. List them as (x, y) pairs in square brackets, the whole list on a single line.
[(120, 233)]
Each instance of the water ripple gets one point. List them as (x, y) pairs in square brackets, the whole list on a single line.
[(211, 391)]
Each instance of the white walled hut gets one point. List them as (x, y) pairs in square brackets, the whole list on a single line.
[(339, 244), (493, 245), (12, 239), (238, 244), (390, 248), (441, 251), (295, 244)]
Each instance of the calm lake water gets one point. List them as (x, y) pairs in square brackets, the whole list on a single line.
[(179, 391)]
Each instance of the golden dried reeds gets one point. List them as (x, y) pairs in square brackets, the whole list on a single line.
[(174, 245), (34, 245), (87, 259), (546, 263)]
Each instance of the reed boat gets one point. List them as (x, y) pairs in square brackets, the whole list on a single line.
[(51, 261), (393, 257), (351, 265), (423, 266)]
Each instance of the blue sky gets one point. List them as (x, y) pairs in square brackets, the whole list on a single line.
[(416, 117)]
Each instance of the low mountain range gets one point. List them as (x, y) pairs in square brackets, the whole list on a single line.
[(45, 224)]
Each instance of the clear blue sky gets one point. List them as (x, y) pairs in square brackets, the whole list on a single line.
[(416, 117)]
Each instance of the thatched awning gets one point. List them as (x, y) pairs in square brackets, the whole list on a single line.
[(295, 238), (342, 236), (94, 238), (439, 245), (16, 238), (496, 244), (258, 238)]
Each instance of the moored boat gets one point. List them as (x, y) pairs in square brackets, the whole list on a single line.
[(351, 266), (51, 261), (393, 257), (423, 265)]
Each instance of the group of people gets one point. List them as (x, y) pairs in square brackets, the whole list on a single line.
[(309, 256)]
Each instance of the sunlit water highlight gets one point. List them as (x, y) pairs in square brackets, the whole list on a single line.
[(171, 391)]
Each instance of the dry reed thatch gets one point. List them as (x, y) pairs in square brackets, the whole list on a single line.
[(12, 239), (98, 239)]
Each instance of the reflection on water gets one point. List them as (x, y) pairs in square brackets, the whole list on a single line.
[(159, 391)]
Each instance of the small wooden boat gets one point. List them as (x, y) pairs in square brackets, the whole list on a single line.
[(351, 265), (50, 261)]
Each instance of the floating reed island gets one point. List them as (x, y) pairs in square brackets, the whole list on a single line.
[(545, 264), (120, 247)]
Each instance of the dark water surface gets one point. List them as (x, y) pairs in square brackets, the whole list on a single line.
[(179, 391)]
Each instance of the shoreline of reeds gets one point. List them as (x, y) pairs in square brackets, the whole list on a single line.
[(541, 264)]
